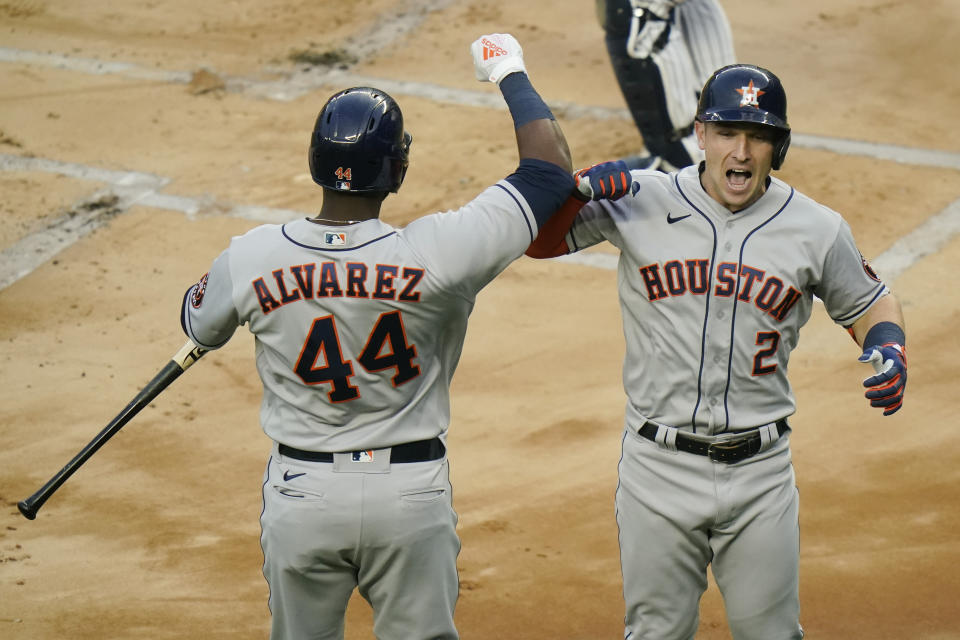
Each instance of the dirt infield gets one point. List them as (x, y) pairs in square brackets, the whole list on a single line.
[(137, 138)]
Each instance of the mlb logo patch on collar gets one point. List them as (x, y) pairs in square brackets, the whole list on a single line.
[(335, 238)]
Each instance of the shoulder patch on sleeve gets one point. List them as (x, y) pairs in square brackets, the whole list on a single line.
[(201, 288), (868, 269)]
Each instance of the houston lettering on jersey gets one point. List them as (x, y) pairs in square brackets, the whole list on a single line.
[(330, 280), (680, 277)]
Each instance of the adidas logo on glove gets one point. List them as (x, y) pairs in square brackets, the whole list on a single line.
[(491, 50)]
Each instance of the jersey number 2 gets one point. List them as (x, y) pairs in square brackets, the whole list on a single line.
[(773, 338), (386, 348)]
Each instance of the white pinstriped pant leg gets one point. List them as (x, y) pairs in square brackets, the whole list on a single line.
[(701, 43), (706, 29)]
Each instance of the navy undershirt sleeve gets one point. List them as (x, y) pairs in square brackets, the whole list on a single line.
[(544, 185), (524, 102)]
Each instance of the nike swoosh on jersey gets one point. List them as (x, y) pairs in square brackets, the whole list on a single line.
[(287, 476), (671, 220)]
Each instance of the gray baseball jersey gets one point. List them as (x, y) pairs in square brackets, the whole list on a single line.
[(358, 329), (713, 302)]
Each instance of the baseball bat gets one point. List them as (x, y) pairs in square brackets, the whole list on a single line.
[(186, 356)]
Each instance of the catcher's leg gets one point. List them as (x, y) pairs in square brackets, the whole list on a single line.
[(706, 31), (660, 89)]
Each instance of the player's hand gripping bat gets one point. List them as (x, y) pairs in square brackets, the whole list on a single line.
[(186, 356)]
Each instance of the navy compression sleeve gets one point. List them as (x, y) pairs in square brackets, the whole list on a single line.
[(544, 185)]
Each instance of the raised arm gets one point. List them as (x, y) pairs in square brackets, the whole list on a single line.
[(498, 58), (543, 176)]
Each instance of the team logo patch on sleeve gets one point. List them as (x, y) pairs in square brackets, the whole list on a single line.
[(334, 238), (198, 290), (868, 269)]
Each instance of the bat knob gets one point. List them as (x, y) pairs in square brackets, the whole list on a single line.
[(29, 511)]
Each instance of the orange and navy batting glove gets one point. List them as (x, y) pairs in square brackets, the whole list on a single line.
[(605, 181), (883, 348)]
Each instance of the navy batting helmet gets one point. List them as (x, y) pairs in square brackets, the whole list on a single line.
[(358, 142), (746, 93)]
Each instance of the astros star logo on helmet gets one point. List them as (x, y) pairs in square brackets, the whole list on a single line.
[(749, 95)]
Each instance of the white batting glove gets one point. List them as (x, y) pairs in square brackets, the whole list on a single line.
[(495, 56)]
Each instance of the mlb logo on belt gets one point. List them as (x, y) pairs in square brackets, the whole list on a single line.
[(363, 456), (334, 238)]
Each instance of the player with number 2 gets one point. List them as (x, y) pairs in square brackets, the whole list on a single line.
[(719, 266)]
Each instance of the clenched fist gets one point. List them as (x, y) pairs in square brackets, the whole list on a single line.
[(495, 56)]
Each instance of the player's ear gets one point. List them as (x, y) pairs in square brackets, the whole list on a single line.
[(700, 128)]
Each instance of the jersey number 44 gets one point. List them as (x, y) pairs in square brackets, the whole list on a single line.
[(386, 348)]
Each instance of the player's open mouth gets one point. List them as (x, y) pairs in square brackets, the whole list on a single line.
[(737, 179)]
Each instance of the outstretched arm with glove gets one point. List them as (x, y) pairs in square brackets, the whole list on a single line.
[(880, 331)]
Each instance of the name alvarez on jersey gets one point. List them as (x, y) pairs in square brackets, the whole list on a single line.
[(330, 280)]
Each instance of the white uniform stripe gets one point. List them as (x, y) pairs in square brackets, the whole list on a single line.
[(522, 205)]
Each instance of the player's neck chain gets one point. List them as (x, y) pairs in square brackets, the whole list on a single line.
[(319, 220)]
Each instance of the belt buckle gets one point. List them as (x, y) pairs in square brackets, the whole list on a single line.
[(730, 451)]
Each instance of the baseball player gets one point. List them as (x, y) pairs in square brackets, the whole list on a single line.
[(358, 329), (719, 265), (662, 51)]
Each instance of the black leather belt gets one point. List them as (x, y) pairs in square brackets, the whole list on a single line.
[(419, 451), (728, 451)]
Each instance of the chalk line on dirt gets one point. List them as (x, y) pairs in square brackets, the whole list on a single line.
[(127, 189), (124, 190), (290, 85)]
